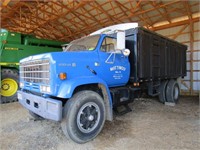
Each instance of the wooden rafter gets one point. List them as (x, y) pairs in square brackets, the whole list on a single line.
[(148, 21), (53, 18), (11, 11), (180, 31), (121, 7), (164, 15), (93, 17), (175, 24), (99, 7), (71, 19), (188, 9)]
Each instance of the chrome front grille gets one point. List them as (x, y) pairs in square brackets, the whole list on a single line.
[(37, 71)]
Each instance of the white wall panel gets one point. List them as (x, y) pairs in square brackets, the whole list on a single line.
[(188, 45), (183, 38), (196, 36), (169, 31), (188, 56), (196, 86), (196, 25), (187, 77), (196, 56), (196, 75), (196, 65), (196, 45), (183, 87), (188, 65)]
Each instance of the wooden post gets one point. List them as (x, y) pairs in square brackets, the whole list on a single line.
[(191, 56)]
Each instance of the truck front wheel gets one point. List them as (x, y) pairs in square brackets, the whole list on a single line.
[(84, 116), (9, 85), (172, 91)]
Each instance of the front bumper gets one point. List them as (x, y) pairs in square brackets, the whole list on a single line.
[(45, 107)]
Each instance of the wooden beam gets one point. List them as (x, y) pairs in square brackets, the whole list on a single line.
[(183, 82), (191, 55), (53, 18), (139, 7), (188, 9), (193, 60), (5, 2), (148, 20), (113, 19), (93, 17), (121, 8), (11, 11), (154, 4), (180, 31), (179, 23)]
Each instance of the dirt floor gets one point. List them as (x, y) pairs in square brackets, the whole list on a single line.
[(151, 125)]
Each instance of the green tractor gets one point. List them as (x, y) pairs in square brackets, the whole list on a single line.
[(13, 47)]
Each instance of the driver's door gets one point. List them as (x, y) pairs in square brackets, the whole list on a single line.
[(114, 66)]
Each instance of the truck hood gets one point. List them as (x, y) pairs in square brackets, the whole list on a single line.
[(74, 64), (62, 56)]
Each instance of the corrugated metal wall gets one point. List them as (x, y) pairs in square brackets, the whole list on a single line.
[(189, 35)]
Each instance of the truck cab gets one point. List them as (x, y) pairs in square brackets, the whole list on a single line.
[(98, 56)]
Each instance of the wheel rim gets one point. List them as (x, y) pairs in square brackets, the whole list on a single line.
[(88, 117), (176, 92), (8, 87)]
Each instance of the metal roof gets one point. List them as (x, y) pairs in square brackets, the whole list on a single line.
[(68, 20)]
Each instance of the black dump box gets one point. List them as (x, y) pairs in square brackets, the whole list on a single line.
[(153, 56)]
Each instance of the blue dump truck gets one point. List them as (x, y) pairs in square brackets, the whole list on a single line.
[(96, 75)]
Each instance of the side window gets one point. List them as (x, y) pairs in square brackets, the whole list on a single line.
[(108, 44)]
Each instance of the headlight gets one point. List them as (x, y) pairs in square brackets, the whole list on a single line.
[(48, 89), (21, 84), (44, 88)]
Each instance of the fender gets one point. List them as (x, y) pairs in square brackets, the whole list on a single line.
[(67, 88)]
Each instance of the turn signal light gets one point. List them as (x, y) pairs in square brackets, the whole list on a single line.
[(62, 76)]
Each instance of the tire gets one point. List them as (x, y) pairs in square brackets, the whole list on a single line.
[(35, 116), (162, 89), (84, 116), (172, 91), (9, 85)]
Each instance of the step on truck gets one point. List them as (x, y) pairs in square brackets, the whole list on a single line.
[(13, 47), (97, 74)]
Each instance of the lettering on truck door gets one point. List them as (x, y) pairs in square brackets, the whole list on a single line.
[(114, 65)]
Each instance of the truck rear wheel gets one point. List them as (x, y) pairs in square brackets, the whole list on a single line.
[(9, 85), (162, 89), (84, 116), (172, 91)]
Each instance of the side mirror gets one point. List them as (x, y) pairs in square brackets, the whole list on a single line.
[(120, 40), (126, 52)]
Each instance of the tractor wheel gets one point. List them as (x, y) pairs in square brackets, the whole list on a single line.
[(9, 85)]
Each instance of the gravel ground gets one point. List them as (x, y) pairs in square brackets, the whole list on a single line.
[(151, 125)]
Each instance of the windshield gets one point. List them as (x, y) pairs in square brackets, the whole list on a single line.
[(84, 44)]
